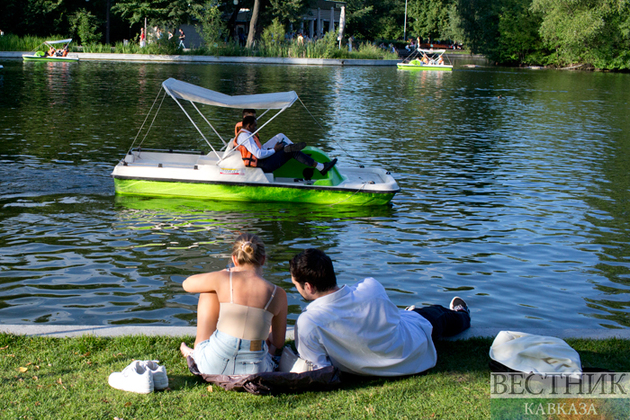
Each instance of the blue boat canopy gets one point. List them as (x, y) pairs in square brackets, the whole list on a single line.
[(189, 92)]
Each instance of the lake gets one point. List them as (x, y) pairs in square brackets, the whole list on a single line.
[(514, 191)]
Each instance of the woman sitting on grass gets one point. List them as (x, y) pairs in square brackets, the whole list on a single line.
[(241, 317)]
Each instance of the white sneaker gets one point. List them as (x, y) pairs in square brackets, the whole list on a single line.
[(459, 304), (133, 378), (160, 380)]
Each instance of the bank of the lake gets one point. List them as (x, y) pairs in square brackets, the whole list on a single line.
[(207, 59)]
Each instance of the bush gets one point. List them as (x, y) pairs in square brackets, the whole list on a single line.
[(212, 25), (85, 25)]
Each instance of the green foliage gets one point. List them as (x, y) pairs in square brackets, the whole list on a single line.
[(430, 19), (212, 25), (10, 42), (85, 25), (519, 41), (373, 19), (274, 33), (289, 11), (272, 40), (586, 31), (162, 12), (479, 24)]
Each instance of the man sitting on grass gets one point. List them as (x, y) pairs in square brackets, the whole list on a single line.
[(359, 330)]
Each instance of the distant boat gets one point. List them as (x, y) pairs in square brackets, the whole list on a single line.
[(51, 53), (431, 59)]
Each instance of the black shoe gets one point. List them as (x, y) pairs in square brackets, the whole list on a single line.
[(458, 304), (328, 166), (294, 147)]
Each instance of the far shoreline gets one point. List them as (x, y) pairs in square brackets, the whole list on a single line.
[(207, 59)]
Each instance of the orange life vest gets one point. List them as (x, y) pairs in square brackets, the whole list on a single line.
[(248, 158)]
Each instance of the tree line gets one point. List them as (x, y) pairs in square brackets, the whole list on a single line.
[(588, 33)]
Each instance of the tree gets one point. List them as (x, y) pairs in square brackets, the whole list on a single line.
[(375, 19), (430, 18), (585, 30), (252, 24), (479, 24), (519, 41), (85, 25), (210, 18), (289, 11), (165, 12)]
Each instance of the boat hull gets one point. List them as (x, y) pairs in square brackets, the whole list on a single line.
[(245, 192), (39, 58), (426, 67), (200, 176)]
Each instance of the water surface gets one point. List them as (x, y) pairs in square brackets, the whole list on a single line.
[(514, 191)]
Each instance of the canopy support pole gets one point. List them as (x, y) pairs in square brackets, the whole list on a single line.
[(195, 125), (146, 118), (208, 122)]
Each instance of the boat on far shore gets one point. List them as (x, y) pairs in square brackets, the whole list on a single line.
[(51, 53), (423, 59)]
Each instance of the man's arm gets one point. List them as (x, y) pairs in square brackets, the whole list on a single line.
[(249, 143), (308, 345)]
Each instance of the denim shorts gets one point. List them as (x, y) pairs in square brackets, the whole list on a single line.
[(223, 354)]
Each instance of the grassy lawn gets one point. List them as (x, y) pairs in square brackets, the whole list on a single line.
[(66, 378)]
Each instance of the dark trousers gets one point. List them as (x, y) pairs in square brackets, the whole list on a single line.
[(446, 323), (281, 157)]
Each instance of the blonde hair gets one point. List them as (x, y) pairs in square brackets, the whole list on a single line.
[(249, 249)]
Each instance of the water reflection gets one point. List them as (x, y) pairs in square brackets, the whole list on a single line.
[(518, 204)]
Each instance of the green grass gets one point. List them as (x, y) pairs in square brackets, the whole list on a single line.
[(54, 378), (323, 48), (11, 42)]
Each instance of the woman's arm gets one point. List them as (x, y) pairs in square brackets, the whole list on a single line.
[(204, 282), (278, 333)]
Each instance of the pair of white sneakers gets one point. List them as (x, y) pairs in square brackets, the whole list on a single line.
[(141, 376)]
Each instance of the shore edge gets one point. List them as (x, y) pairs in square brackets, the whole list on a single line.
[(117, 330)]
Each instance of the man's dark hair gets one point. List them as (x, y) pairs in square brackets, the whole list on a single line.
[(249, 112), (314, 267), (249, 120)]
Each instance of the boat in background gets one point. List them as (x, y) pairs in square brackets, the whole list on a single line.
[(60, 54), (221, 175), (422, 59)]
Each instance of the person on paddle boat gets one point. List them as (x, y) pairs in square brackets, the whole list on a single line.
[(241, 317), (51, 52), (275, 153), (425, 59), (239, 125), (64, 53)]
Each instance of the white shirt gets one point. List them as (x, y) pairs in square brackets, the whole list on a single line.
[(359, 330), (246, 139)]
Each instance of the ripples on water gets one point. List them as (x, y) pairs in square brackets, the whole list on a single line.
[(518, 204)]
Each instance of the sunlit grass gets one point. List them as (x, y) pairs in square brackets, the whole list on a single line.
[(53, 378)]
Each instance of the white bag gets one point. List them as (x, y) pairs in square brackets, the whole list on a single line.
[(538, 354)]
